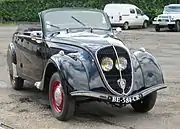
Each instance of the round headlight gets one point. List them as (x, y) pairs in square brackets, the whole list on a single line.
[(121, 63), (107, 64)]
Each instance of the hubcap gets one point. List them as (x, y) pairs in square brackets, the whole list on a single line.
[(57, 96), (145, 25), (126, 26), (178, 25)]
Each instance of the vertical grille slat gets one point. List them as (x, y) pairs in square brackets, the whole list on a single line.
[(113, 75)]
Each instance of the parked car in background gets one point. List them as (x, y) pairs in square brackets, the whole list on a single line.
[(170, 18), (74, 55), (126, 16)]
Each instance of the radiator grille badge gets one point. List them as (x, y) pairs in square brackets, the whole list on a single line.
[(122, 84)]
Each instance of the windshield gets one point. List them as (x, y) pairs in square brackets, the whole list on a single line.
[(70, 19), (172, 9)]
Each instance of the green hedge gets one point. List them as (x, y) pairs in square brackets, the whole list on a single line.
[(27, 10)]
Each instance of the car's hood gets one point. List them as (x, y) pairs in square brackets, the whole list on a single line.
[(164, 15), (88, 40)]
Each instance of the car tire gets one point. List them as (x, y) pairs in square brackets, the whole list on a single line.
[(146, 104), (16, 82), (171, 27), (177, 26), (126, 26), (145, 24), (157, 28), (61, 103)]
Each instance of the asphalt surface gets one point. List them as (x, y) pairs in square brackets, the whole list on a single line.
[(28, 109)]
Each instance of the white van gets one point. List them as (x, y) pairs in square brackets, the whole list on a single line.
[(126, 15)]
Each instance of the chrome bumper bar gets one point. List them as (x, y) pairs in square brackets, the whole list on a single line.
[(108, 97)]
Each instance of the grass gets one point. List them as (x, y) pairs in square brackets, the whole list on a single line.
[(7, 24)]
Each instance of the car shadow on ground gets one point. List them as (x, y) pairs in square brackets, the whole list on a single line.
[(92, 111)]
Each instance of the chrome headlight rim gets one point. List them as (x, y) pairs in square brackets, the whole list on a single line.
[(107, 64), (121, 63)]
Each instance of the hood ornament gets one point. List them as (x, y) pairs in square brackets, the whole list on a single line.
[(122, 84)]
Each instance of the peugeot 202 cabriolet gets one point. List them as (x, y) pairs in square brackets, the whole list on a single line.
[(75, 55)]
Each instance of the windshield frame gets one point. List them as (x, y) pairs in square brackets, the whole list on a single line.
[(43, 13)]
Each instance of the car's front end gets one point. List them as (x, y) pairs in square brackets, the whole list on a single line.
[(139, 75), (170, 18), (164, 20)]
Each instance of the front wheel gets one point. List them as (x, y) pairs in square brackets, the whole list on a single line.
[(145, 104), (126, 26), (145, 24), (171, 27), (177, 26), (157, 28), (62, 104)]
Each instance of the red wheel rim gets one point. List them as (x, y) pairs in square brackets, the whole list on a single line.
[(57, 96)]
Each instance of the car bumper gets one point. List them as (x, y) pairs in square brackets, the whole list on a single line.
[(117, 24), (163, 23), (118, 99)]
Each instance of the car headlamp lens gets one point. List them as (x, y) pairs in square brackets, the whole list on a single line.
[(121, 63), (107, 64)]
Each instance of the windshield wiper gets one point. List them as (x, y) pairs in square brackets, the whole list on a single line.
[(52, 25), (78, 21), (57, 27), (87, 27)]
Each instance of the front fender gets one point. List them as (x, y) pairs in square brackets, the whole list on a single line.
[(11, 54), (71, 68), (147, 71)]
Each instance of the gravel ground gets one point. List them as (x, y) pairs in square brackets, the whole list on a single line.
[(28, 109)]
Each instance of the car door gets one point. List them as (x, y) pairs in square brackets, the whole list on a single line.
[(132, 17), (139, 17), (32, 58)]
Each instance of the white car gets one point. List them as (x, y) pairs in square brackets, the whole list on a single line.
[(126, 16), (170, 18)]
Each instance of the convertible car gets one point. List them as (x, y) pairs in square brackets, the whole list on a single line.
[(74, 55)]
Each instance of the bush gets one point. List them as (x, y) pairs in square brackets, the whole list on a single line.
[(27, 10)]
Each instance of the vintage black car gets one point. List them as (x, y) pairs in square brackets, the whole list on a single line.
[(74, 56)]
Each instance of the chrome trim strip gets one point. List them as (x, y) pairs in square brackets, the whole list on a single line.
[(27, 36), (120, 74), (90, 94), (132, 71)]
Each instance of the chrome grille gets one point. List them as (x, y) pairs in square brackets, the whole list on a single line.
[(113, 75)]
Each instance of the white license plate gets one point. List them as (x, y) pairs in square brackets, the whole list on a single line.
[(163, 23), (126, 100)]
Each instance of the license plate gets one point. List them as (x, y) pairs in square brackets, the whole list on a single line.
[(125, 100), (163, 23)]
